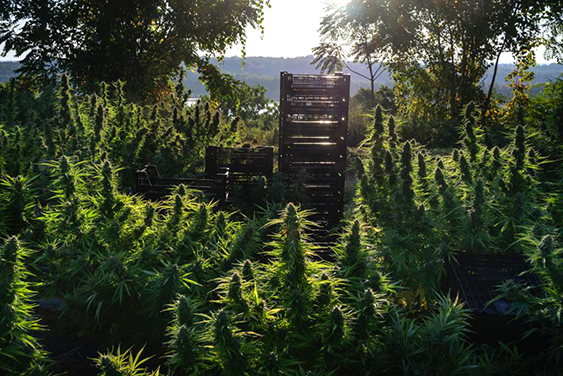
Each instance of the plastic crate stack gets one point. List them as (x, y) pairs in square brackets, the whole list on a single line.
[(239, 165), (154, 187), (313, 139)]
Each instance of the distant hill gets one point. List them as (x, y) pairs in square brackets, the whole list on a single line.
[(7, 69), (265, 71)]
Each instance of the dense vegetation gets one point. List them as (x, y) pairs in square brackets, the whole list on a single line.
[(214, 292), (97, 279)]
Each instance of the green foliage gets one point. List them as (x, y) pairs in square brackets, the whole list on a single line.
[(543, 310), (340, 42), (354, 258), (104, 126), (117, 363), (437, 54), (480, 200), (220, 293), (361, 105), (467, 22), (384, 97), (138, 42), (260, 114), (20, 351), (448, 328), (17, 204)]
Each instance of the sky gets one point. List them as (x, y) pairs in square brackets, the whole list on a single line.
[(9, 57), (291, 30)]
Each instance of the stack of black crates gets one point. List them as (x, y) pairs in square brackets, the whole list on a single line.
[(313, 139), (239, 165)]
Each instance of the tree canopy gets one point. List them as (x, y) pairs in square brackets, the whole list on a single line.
[(439, 50), (141, 42), (341, 41)]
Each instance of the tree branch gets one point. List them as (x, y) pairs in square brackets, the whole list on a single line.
[(353, 71)]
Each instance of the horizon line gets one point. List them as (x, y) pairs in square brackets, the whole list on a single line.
[(292, 57)]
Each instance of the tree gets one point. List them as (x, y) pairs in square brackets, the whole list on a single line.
[(439, 51), (339, 42), (251, 104), (554, 27), (383, 96), (140, 42), (259, 113)]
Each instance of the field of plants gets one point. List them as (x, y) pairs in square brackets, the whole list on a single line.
[(97, 280)]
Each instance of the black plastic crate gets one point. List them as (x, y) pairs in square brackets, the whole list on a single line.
[(476, 279), (241, 165), (154, 187)]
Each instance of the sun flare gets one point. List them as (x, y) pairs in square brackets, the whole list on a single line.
[(338, 2)]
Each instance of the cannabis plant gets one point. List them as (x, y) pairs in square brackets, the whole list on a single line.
[(20, 351)]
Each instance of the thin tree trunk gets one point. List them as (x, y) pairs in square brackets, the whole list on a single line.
[(374, 75), (453, 84), (372, 81), (490, 93)]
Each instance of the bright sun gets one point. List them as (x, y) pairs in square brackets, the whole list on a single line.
[(337, 2)]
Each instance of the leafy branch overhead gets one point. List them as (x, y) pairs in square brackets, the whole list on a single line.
[(341, 42), (142, 43), (437, 51)]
